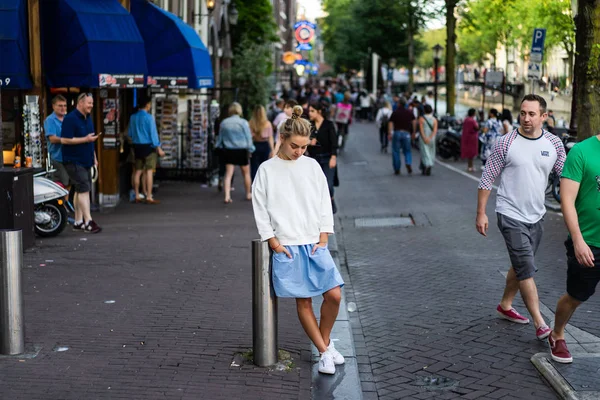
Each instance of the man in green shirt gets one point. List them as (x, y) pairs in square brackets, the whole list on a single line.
[(580, 195)]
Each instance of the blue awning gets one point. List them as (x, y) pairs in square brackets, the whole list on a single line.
[(173, 48), (91, 43), (14, 45)]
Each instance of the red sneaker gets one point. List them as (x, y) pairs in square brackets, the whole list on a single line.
[(559, 351), (542, 332), (512, 315)]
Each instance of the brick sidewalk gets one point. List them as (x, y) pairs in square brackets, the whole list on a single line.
[(180, 276), (426, 295)]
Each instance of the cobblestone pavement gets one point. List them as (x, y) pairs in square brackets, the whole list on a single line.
[(180, 277), (426, 295)]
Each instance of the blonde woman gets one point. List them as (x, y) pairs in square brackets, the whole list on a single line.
[(292, 209), (235, 142), (262, 138), (381, 121)]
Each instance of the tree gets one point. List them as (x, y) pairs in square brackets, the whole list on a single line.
[(587, 69), (416, 13), (250, 74), (340, 36), (352, 27), (255, 23), (429, 39), (450, 55), (251, 63)]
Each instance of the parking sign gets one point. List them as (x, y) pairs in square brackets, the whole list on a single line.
[(537, 45)]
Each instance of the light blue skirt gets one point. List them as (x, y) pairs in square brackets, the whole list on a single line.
[(304, 275)]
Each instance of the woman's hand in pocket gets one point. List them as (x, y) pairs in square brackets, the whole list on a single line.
[(318, 246), (281, 249)]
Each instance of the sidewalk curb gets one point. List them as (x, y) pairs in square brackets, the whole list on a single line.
[(562, 388), (345, 384)]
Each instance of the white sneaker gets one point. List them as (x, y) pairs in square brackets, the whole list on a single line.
[(338, 358), (326, 364)]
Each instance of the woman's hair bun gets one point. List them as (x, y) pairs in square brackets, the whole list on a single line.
[(297, 112)]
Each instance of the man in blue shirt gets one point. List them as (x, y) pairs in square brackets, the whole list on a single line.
[(79, 156), (52, 129), (146, 145)]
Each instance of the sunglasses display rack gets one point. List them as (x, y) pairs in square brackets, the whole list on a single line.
[(166, 116), (32, 146), (197, 138)]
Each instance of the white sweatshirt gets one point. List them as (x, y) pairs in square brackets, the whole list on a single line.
[(291, 201)]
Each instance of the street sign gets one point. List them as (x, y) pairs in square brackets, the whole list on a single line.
[(534, 70), (537, 45), (304, 46), (304, 31)]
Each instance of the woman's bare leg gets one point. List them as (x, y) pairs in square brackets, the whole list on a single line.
[(329, 312), (229, 169), (309, 323)]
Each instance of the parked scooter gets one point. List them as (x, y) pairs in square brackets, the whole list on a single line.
[(448, 137), (50, 206)]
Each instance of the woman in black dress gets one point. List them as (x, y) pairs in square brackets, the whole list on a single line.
[(324, 144)]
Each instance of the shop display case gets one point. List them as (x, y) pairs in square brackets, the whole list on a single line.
[(166, 119)]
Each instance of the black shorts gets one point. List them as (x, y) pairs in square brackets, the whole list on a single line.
[(81, 177), (581, 281), (60, 174), (522, 242), (239, 157)]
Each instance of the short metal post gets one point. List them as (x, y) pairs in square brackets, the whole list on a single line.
[(264, 307), (12, 335)]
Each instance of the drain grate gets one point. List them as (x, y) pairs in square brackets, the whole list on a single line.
[(386, 222), (434, 382)]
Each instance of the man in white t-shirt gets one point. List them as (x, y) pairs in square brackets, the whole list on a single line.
[(523, 159)]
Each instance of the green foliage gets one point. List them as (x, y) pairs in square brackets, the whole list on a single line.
[(340, 36), (250, 74), (251, 65), (353, 28), (429, 39), (255, 23), (484, 24)]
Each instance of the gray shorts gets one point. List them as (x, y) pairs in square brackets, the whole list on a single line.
[(80, 176), (522, 241), (60, 174)]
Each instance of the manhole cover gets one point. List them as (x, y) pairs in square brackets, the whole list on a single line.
[(387, 222), (434, 382)]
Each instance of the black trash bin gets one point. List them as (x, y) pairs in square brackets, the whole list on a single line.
[(16, 202)]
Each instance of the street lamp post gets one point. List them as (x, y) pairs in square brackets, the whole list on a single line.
[(390, 76), (437, 52)]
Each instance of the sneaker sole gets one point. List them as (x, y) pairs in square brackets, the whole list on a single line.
[(544, 336), (516, 321), (561, 360), (327, 372)]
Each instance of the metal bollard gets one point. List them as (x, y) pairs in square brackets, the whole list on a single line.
[(12, 336), (264, 307)]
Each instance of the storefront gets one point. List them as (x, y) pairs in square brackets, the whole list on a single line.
[(14, 82), (179, 67), (95, 47), (70, 47)]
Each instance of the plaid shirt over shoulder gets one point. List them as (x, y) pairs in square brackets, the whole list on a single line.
[(497, 160), (561, 154)]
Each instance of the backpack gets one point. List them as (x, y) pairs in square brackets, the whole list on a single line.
[(385, 119)]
